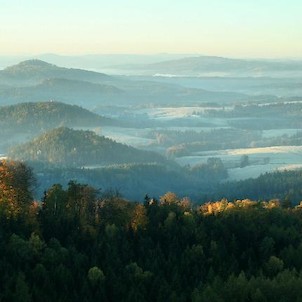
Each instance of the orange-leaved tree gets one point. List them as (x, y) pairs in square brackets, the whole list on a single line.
[(16, 181)]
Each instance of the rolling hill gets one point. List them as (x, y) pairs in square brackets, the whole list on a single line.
[(35, 71), (64, 90), (36, 80), (219, 66), (21, 122), (92, 95), (47, 115), (77, 148)]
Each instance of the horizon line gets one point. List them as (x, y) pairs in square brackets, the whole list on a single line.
[(151, 54)]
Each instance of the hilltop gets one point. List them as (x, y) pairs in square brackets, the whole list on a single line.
[(35, 71), (46, 115), (76, 148), (36, 80), (68, 91), (22, 122)]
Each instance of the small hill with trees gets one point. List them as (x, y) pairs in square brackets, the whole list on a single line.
[(78, 92), (34, 71), (75, 148), (47, 115)]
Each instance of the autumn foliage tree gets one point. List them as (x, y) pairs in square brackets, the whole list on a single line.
[(16, 183), (97, 246), (18, 210)]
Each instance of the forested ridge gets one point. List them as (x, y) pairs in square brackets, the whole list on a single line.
[(37, 70), (83, 244), (75, 148), (46, 115)]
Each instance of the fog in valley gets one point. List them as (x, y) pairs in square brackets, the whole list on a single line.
[(194, 123), (151, 151)]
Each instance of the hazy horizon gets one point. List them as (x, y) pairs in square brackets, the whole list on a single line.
[(251, 29), (179, 54)]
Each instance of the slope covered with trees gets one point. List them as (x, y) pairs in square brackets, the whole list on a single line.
[(80, 244), (35, 71), (76, 148), (47, 115), (78, 92), (280, 184), (21, 122)]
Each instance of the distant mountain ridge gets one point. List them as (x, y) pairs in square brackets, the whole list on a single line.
[(220, 66), (92, 61), (60, 89), (36, 80)]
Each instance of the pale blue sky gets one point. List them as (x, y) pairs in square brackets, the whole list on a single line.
[(238, 28)]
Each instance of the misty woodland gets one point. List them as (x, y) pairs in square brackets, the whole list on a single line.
[(151, 188)]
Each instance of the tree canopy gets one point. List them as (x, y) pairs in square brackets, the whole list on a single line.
[(83, 244)]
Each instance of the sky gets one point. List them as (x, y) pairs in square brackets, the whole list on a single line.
[(235, 28)]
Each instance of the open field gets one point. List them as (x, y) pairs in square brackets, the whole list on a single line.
[(182, 119), (262, 160)]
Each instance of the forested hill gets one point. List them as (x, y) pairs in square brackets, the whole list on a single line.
[(80, 244), (66, 147), (47, 115), (82, 93), (34, 71)]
